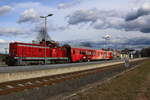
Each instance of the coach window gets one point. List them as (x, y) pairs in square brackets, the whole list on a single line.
[(90, 53), (84, 52), (76, 51), (73, 51), (94, 52), (81, 52), (105, 54)]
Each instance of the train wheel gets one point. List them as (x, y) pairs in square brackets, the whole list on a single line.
[(88, 60)]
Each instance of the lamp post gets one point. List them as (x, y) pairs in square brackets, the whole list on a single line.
[(45, 17), (107, 37)]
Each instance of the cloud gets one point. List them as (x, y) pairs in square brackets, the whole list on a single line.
[(116, 43), (50, 27), (138, 41), (5, 9), (110, 19), (68, 5), (29, 15), (142, 11), (145, 30), (38, 7), (3, 44), (99, 19), (109, 22), (12, 31), (140, 24), (3, 41), (27, 5), (91, 15), (83, 16)]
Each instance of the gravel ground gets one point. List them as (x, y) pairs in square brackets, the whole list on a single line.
[(63, 89)]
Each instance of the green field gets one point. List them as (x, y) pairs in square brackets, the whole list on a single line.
[(133, 85)]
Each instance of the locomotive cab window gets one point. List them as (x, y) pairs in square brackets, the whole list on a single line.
[(82, 52)]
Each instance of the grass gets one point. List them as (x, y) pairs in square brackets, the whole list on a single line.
[(133, 85)]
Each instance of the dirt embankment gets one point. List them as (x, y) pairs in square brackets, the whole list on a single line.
[(133, 85)]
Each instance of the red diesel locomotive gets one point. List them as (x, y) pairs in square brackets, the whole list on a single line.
[(50, 52)]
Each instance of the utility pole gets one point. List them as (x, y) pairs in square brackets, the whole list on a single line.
[(45, 17)]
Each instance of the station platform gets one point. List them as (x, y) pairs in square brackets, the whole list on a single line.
[(34, 71)]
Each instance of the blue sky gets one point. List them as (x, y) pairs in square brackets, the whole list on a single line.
[(77, 21)]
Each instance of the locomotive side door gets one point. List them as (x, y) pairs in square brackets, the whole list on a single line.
[(54, 52), (68, 52)]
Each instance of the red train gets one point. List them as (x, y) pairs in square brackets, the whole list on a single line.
[(50, 52)]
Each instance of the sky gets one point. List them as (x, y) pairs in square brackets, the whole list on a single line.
[(79, 22)]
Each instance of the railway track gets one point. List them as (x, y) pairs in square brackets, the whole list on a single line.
[(21, 85)]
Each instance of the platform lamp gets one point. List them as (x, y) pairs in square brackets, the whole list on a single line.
[(106, 38), (45, 17)]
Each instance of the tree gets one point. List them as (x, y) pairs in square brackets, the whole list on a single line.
[(145, 52), (42, 35)]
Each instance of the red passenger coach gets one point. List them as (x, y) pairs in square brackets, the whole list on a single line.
[(88, 54), (109, 55)]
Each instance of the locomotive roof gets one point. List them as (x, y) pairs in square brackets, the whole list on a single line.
[(27, 43), (32, 44)]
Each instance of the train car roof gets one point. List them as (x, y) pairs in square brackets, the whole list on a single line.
[(82, 47)]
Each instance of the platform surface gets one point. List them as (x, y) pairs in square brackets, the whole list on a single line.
[(6, 69), (27, 72)]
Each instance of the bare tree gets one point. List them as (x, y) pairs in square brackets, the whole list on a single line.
[(42, 35)]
